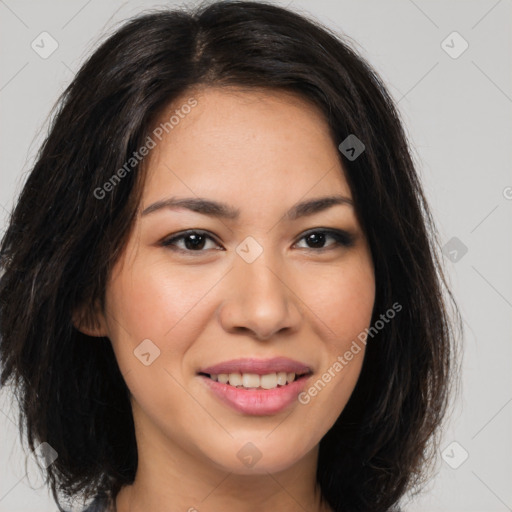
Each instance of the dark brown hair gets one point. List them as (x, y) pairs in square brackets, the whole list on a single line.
[(62, 241)]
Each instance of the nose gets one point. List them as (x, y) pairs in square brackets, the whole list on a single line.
[(260, 300)]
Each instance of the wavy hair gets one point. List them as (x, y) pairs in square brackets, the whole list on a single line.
[(61, 243)]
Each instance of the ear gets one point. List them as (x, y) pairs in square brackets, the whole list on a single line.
[(90, 320)]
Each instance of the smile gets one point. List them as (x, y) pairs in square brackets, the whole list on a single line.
[(256, 387), (255, 381)]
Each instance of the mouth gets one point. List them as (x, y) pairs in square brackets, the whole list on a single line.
[(255, 386), (253, 381)]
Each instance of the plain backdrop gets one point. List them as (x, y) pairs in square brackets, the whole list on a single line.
[(456, 103)]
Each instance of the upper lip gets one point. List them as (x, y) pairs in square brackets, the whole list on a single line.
[(258, 366)]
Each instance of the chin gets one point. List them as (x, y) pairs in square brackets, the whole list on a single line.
[(259, 457)]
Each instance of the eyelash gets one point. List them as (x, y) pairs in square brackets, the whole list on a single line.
[(342, 239)]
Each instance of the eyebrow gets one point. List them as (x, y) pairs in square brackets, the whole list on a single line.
[(225, 211)]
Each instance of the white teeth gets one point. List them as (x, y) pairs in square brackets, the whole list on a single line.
[(269, 381), (253, 380), (235, 379), (281, 378)]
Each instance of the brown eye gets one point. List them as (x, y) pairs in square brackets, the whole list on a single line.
[(193, 241), (317, 239)]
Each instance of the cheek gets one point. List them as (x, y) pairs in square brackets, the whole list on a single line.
[(341, 299), (152, 301), (153, 297)]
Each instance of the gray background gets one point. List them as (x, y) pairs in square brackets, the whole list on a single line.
[(457, 113)]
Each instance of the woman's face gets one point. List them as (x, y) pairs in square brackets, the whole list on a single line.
[(261, 290)]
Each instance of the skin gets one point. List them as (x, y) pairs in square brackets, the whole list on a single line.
[(261, 152)]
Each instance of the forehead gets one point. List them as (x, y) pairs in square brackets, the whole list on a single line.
[(243, 144)]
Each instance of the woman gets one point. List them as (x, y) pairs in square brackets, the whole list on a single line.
[(221, 287)]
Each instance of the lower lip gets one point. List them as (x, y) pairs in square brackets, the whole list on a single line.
[(257, 401)]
